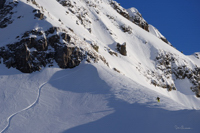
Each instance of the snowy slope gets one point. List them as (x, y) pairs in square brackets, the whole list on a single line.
[(107, 91), (155, 32), (98, 103)]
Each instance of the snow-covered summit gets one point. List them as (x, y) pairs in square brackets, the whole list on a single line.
[(119, 65)]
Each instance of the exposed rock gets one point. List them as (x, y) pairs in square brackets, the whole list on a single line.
[(119, 9), (66, 3), (68, 57), (198, 93), (90, 30), (39, 15), (53, 40), (2, 2), (165, 40), (112, 52), (37, 49), (66, 37), (115, 69), (6, 14), (138, 20), (197, 55), (41, 45), (126, 28), (3, 23), (122, 49), (154, 82), (18, 58), (34, 2), (95, 47), (104, 60), (21, 58), (166, 62)]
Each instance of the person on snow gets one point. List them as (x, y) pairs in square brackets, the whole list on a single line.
[(158, 98)]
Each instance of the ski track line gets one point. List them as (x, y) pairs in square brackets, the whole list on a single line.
[(34, 103)]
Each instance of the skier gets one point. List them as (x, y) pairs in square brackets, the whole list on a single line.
[(158, 98)]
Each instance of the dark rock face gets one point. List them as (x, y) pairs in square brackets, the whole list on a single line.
[(33, 42), (95, 47), (165, 40), (21, 58), (119, 9), (167, 64), (6, 13), (115, 69), (33, 52), (39, 15), (54, 40), (138, 20), (122, 49), (2, 2), (126, 28), (66, 3), (197, 55), (17, 57), (68, 57), (66, 37)]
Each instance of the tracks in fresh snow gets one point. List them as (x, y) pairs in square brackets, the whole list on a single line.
[(33, 104), (30, 106)]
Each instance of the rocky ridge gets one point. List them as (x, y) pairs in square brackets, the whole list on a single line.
[(38, 48)]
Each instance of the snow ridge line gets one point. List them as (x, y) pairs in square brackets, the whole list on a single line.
[(34, 103)]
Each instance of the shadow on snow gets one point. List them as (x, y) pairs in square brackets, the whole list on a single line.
[(127, 118)]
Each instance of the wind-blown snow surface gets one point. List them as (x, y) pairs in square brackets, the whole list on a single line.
[(93, 97), (89, 98)]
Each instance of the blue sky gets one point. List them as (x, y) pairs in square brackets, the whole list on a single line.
[(177, 20)]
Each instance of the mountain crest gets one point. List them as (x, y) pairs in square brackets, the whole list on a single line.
[(92, 31)]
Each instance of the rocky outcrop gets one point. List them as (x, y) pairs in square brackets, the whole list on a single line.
[(65, 3), (115, 69), (137, 18), (38, 14), (134, 16), (165, 40), (95, 47), (35, 39), (2, 2), (167, 63), (168, 70), (80, 11), (66, 37), (120, 9), (197, 55), (122, 49), (37, 49), (6, 13), (20, 57), (126, 28), (68, 57)]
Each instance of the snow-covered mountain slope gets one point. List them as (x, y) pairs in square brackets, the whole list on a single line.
[(120, 65), (155, 32)]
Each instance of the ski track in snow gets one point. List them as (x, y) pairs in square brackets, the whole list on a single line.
[(34, 103)]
